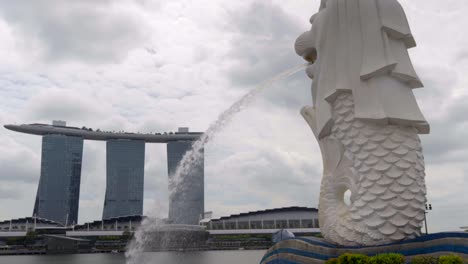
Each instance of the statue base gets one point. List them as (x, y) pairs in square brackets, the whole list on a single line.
[(315, 250)]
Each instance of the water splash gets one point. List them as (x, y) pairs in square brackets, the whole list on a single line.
[(134, 252), (176, 185)]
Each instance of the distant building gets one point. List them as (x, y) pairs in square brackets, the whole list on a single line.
[(125, 178), (120, 224), (187, 192), (183, 130), (27, 224), (59, 123), (57, 244), (58, 193), (62, 150), (272, 219)]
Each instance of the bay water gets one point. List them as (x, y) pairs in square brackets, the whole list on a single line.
[(200, 257)]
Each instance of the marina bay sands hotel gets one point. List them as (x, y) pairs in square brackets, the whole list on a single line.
[(58, 192)]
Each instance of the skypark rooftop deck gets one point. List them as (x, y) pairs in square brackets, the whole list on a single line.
[(87, 133)]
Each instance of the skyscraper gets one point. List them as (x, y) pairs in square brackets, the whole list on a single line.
[(125, 178), (59, 186), (58, 192), (187, 192)]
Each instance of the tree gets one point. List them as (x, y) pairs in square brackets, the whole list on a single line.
[(30, 237)]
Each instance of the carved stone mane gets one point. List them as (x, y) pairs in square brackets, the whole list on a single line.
[(361, 46)]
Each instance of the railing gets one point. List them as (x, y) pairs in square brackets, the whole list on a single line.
[(262, 224)]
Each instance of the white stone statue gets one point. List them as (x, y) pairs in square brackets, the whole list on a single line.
[(366, 120)]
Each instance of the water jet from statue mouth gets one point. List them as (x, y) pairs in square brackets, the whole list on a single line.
[(153, 234)]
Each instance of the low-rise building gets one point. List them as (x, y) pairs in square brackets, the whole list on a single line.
[(272, 219), (27, 224), (123, 223), (66, 245)]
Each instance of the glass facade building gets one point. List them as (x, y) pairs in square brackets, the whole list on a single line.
[(125, 178), (187, 192), (58, 193)]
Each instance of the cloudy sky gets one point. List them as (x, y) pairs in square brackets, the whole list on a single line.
[(152, 66)]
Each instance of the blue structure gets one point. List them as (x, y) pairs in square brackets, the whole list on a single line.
[(58, 193), (187, 198), (308, 250), (125, 178)]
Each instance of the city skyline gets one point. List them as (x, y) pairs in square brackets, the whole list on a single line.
[(58, 192), (154, 67)]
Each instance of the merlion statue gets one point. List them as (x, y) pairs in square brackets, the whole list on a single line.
[(366, 120)]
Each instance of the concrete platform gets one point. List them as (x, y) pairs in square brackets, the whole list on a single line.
[(317, 251)]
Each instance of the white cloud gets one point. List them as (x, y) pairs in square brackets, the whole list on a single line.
[(85, 30), (61, 104)]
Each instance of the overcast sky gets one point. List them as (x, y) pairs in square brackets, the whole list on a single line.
[(153, 66)]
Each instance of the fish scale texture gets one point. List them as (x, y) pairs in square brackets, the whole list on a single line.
[(385, 174)]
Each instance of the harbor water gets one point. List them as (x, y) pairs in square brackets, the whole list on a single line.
[(200, 257)]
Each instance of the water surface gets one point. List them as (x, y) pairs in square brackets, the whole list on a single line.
[(203, 257)]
